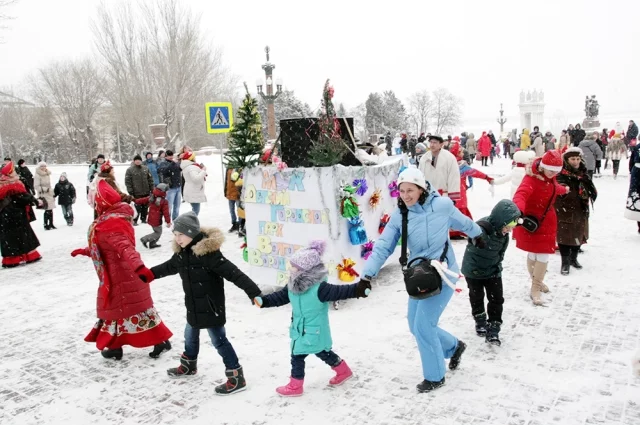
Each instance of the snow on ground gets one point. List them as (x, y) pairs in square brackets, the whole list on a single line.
[(566, 363)]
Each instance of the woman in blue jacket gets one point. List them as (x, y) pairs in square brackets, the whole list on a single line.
[(429, 218)]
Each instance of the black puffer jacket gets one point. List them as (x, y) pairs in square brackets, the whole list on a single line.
[(203, 268), (65, 192)]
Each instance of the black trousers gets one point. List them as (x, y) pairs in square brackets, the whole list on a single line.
[(616, 166), (142, 211), (493, 287)]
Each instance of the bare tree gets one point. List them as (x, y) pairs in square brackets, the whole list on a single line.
[(447, 110), (75, 91), (420, 109), (4, 16)]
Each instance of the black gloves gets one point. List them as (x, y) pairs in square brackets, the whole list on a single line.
[(363, 289)]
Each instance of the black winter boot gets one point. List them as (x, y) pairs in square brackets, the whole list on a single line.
[(46, 221), (154, 244), (235, 227), (143, 240), (427, 386), (493, 331), (159, 349), (481, 324), (235, 382), (187, 368), (566, 261), (51, 226), (457, 355), (574, 258), (112, 354)]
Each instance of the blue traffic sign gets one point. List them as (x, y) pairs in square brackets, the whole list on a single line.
[(219, 117)]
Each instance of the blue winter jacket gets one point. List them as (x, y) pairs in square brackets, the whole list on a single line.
[(153, 169), (428, 231), (310, 332)]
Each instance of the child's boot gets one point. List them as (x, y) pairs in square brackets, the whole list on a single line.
[(343, 373), (143, 240), (427, 386), (154, 244), (292, 389), (493, 331), (187, 368), (481, 323), (235, 382)]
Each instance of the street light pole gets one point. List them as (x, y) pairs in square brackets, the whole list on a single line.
[(501, 120), (270, 97)]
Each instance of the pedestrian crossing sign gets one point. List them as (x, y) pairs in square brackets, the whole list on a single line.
[(219, 117)]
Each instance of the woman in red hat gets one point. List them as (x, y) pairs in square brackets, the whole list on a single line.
[(125, 311), (18, 242), (535, 197)]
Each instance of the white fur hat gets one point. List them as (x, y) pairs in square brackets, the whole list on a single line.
[(524, 157), (572, 150), (42, 164)]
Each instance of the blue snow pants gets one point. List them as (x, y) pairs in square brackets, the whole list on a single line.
[(434, 344)]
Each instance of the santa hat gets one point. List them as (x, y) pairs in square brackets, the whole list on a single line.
[(612, 133), (552, 161), (106, 196), (572, 151), (189, 156), (106, 167), (8, 169), (308, 258)]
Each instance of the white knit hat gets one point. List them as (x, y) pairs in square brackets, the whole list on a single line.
[(412, 175)]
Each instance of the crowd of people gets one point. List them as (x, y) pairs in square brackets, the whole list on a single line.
[(552, 191)]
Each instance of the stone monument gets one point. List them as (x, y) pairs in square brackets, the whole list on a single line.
[(591, 111), (531, 109)]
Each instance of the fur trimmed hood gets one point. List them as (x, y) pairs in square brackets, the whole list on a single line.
[(211, 242), (303, 280)]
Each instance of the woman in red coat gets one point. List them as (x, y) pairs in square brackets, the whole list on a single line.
[(535, 197), (125, 311), (484, 148)]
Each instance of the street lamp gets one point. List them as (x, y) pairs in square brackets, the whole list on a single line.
[(501, 119), (270, 97)]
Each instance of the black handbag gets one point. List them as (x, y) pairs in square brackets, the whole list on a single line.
[(530, 223), (421, 279)]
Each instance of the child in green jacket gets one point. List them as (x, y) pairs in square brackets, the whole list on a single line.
[(310, 295), (482, 268)]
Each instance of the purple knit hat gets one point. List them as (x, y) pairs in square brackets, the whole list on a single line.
[(307, 258)]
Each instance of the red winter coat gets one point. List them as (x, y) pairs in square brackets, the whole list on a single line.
[(127, 295), (156, 212), (535, 195), (484, 145)]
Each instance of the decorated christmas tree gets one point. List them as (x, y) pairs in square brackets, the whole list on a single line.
[(329, 148), (245, 142)]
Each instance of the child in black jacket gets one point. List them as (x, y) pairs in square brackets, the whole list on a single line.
[(203, 268), (66, 194)]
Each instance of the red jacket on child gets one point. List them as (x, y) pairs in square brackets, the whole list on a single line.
[(158, 207)]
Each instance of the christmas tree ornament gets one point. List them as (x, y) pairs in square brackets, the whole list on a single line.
[(361, 186), (375, 199), (393, 189), (348, 203), (383, 223), (346, 271), (367, 250), (357, 232)]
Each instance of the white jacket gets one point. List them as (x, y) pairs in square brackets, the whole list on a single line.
[(523, 161), (194, 178), (445, 176)]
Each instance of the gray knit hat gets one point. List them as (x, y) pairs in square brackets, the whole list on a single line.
[(187, 224)]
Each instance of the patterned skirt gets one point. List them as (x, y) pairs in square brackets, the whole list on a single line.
[(144, 329)]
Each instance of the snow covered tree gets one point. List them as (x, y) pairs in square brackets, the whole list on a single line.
[(246, 140), (287, 105), (385, 112), (373, 118), (329, 148), (342, 112), (420, 110), (447, 110)]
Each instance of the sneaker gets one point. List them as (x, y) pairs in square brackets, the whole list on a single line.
[(427, 386)]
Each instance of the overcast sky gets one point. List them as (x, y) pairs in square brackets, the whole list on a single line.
[(483, 51)]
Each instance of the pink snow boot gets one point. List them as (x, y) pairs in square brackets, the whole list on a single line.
[(292, 389), (342, 374)]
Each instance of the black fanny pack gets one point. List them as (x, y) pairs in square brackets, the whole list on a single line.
[(421, 279)]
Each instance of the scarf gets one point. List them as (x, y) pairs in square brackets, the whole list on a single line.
[(104, 283), (586, 189)]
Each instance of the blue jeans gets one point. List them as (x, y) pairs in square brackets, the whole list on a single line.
[(232, 212), (297, 362), (434, 343), (174, 197), (218, 339), (195, 208)]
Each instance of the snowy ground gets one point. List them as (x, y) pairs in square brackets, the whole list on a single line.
[(567, 363)]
